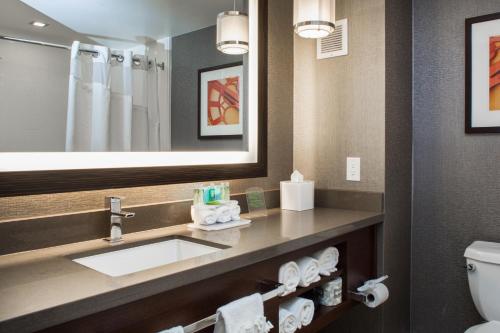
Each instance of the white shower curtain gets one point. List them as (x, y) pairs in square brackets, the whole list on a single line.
[(88, 99), (112, 106), (121, 104), (145, 115)]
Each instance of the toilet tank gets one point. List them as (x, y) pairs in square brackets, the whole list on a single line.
[(484, 278)]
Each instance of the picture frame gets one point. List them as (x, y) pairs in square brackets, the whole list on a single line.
[(482, 74), (221, 101)]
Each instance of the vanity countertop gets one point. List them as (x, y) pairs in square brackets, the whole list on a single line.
[(43, 288)]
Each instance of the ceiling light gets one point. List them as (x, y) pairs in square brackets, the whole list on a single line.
[(38, 24), (314, 18), (232, 32)]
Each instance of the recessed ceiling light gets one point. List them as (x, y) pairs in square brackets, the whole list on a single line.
[(38, 24)]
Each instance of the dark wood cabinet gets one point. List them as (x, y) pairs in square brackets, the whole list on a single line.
[(188, 304)]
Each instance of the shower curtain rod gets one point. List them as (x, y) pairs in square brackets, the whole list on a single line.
[(118, 57)]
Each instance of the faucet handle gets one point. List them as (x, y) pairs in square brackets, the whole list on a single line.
[(114, 203)]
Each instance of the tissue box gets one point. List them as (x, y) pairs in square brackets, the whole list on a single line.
[(297, 196)]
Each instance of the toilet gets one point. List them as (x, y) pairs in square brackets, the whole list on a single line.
[(483, 270)]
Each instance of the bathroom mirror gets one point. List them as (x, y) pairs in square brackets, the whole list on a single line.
[(126, 93)]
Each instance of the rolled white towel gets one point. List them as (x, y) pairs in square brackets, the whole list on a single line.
[(327, 259), (203, 215), (288, 321), (223, 214), (289, 276), (235, 213), (309, 271), (302, 308)]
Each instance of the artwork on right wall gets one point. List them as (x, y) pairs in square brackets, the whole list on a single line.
[(482, 74)]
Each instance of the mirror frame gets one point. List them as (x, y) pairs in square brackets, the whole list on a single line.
[(15, 183)]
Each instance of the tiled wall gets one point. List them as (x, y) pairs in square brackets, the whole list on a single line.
[(280, 62)]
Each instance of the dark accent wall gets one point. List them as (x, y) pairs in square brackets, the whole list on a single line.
[(456, 176), (191, 52), (398, 164), (395, 236)]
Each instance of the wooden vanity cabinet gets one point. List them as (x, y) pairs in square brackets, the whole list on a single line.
[(188, 304)]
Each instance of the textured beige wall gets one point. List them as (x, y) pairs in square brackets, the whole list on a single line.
[(339, 103), (280, 139)]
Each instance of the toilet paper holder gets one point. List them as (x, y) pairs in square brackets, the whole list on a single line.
[(362, 293), (358, 297)]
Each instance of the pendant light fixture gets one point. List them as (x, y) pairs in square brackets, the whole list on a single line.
[(314, 18), (232, 32)]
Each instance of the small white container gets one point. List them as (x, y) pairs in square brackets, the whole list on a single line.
[(297, 196)]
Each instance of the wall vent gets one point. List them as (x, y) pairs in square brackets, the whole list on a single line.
[(335, 45)]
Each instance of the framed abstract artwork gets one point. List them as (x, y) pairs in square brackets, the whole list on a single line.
[(482, 74), (220, 113)]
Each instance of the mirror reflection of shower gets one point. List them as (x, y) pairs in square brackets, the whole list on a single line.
[(84, 83)]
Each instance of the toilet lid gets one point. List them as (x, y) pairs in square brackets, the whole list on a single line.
[(489, 327)]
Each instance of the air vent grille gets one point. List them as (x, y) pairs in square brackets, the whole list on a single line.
[(334, 45)]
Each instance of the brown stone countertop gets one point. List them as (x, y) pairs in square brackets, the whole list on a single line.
[(43, 288)]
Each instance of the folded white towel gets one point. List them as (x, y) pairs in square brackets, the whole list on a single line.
[(177, 329), (243, 315), (327, 259), (203, 214), (223, 213), (230, 203), (235, 213), (309, 271), (289, 276), (302, 308), (288, 321)]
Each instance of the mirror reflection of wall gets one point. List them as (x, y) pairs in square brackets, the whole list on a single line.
[(86, 82)]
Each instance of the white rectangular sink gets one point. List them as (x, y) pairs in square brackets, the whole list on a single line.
[(142, 257)]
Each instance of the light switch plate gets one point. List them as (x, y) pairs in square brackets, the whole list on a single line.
[(353, 169)]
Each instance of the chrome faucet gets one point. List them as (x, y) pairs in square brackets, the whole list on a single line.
[(116, 215)]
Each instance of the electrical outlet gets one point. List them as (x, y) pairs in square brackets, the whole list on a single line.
[(353, 169)]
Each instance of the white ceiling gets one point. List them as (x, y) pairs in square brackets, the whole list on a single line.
[(127, 23), (15, 17)]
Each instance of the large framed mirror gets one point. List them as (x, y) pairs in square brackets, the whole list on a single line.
[(126, 93)]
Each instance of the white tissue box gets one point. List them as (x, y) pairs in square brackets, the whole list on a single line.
[(297, 196)]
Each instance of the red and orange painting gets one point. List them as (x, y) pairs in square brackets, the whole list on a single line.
[(495, 73), (223, 104)]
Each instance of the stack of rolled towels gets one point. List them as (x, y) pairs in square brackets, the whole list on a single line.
[(307, 270), (225, 211), (295, 314), (299, 312)]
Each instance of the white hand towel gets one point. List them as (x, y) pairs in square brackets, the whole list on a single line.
[(289, 276), (177, 329), (243, 315), (203, 215), (309, 271), (328, 260), (288, 321), (223, 214), (302, 308)]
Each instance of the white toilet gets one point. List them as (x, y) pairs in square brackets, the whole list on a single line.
[(483, 266)]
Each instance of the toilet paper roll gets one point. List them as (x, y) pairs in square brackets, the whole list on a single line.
[(377, 295)]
